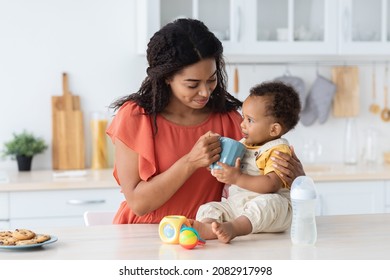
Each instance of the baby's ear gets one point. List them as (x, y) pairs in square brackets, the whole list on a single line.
[(276, 130)]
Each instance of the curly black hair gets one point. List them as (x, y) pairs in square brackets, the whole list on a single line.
[(176, 45), (284, 103)]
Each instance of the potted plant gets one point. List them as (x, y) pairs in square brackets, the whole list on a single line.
[(23, 147)]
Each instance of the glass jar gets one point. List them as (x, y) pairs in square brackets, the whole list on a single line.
[(350, 142), (99, 141)]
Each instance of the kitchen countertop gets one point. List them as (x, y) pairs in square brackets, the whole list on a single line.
[(84, 179), (351, 237), (56, 180), (341, 172)]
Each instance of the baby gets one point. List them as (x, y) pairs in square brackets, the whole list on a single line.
[(259, 198)]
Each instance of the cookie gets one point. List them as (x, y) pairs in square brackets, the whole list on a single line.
[(8, 241), (5, 234), (42, 238), (25, 242), (23, 234), (20, 237)]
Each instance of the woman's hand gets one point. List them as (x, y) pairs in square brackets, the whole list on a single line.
[(290, 167), (205, 151)]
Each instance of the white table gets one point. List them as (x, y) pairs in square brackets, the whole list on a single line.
[(339, 237)]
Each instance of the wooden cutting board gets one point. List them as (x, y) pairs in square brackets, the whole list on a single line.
[(346, 100), (68, 130)]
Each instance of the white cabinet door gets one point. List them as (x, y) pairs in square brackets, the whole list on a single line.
[(364, 27), (292, 27), (220, 16), (250, 26), (344, 198), (60, 207)]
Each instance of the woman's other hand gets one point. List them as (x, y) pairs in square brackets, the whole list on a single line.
[(206, 150), (290, 167)]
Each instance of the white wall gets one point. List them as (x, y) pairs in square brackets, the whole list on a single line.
[(94, 41)]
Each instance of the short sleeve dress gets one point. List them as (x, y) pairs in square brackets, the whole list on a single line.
[(158, 152)]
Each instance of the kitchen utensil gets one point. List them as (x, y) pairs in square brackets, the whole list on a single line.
[(297, 84), (231, 150), (346, 100), (319, 101), (67, 130), (374, 107), (385, 114), (236, 81)]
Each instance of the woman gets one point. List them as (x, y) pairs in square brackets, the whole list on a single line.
[(166, 134)]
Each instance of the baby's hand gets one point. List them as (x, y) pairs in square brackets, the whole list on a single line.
[(227, 174)]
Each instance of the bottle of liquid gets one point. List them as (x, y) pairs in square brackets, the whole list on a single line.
[(99, 142), (350, 142), (303, 199)]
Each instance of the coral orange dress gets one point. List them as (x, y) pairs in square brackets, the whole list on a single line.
[(157, 153)]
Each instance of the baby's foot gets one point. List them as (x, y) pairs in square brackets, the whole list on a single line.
[(204, 229), (224, 231)]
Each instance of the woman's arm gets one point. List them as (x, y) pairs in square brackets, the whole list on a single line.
[(146, 196), (290, 167)]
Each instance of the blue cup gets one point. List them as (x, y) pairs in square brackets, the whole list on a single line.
[(231, 150)]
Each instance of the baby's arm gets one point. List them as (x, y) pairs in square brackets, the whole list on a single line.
[(268, 183)]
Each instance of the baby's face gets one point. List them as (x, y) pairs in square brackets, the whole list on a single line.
[(257, 127)]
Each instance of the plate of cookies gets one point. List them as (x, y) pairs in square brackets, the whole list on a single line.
[(24, 238)]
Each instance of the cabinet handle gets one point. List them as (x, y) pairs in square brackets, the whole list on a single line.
[(81, 202)]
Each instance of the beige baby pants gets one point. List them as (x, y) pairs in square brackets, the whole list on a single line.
[(266, 212)]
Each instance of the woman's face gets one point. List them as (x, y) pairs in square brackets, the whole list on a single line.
[(193, 85)]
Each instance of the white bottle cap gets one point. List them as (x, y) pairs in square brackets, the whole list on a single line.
[(303, 188)]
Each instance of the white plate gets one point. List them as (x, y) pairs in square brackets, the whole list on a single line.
[(51, 240)]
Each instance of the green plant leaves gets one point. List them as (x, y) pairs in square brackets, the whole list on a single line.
[(25, 144)]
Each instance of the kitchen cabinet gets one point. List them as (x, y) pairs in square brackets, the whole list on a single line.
[(45, 198), (221, 16), (57, 208), (250, 26), (351, 197), (364, 27), (291, 27), (279, 27)]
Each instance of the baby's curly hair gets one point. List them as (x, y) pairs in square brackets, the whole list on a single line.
[(284, 103), (176, 45)]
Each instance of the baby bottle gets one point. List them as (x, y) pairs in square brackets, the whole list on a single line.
[(303, 199)]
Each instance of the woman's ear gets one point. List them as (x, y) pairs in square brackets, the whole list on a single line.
[(276, 130), (168, 81)]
